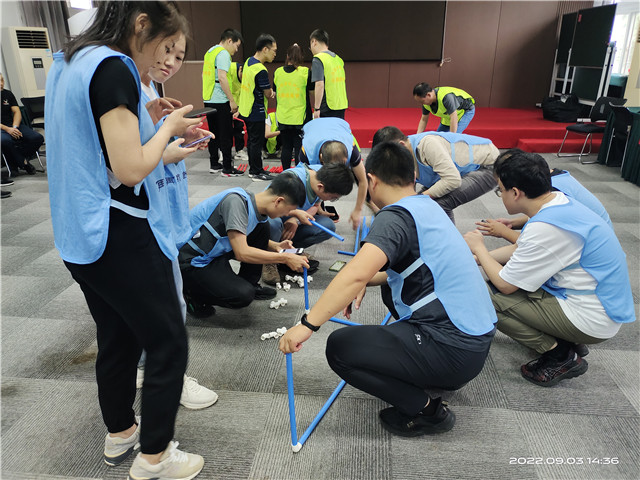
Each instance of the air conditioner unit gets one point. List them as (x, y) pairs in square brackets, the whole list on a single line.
[(27, 57)]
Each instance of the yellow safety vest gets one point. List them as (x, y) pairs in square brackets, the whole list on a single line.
[(209, 72), (292, 95), (248, 86), (234, 82), (273, 141), (440, 109), (335, 90)]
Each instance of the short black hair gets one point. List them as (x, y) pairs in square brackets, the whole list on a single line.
[(421, 89), (332, 151), (336, 178), (264, 40), (388, 134), (290, 187), (392, 163), (320, 35), (231, 33), (525, 171)]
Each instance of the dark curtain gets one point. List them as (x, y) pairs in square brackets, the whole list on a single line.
[(52, 15)]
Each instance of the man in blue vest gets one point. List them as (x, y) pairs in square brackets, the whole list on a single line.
[(564, 283), (430, 284), (329, 140), (453, 168), (233, 224)]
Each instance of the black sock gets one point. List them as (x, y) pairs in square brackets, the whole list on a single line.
[(561, 351)]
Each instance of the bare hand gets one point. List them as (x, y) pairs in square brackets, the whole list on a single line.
[(160, 107), (493, 228), (296, 262), (178, 124), (316, 114), (289, 229), (173, 153), (355, 218), (474, 240), (14, 132), (233, 105), (293, 339), (285, 244), (194, 133), (348, 310)]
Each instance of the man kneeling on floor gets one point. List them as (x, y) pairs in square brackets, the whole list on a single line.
[(233, 224), (446, 324), (564, 283), (320, 183)]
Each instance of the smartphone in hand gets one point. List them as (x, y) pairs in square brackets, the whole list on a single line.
[(200, 112), (195, 142), (297, 251)]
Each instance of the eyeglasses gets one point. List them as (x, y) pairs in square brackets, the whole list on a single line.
[(498, 192)]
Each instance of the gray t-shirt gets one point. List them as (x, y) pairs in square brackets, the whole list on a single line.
[(452, 103), (394, 232), (231, 213), (317, 75)]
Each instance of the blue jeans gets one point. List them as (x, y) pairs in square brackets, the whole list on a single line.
[(463, 123), (306, 235)]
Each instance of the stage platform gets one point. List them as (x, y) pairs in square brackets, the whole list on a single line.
[(506, 127)]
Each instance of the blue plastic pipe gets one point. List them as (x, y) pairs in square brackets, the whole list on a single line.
[(334, 234), (323, 410), (306, 291), (292, 405)]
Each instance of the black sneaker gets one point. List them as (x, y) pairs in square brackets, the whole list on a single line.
[(216, 167), (547, 371), (581, 349), (5, 193), (7, 182), (234, 172), (261, 177), (198, 310), (400, 424), (30, 169), (264, 293)]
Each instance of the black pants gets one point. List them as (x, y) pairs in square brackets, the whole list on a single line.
[(218, 284), (333, 113), (255, 131), (291, 143), (132, 297), (221, 125), (238, 134), (17, 151), (398, 362)]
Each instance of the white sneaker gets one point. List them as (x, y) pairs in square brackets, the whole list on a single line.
[(241, 155), (195, 396), (139, 377), (174, 465), (116, 449)]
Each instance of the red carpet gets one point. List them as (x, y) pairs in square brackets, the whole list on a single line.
[(506, 127)]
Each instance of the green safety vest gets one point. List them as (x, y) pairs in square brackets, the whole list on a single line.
[(292, 95), (335, 90), (441, 111), (248, 86), (234, 82), (209, 72), (273, 141)]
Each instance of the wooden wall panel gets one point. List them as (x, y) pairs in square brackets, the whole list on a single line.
[(367, 84), (470, 44), (524, 54), (186, 85), (403, 76)]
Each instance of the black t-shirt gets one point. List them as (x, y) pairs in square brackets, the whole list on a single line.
[(113, 85), (307, 113), (394, 232), (8, 101)]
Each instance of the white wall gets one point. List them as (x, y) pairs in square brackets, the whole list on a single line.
[(10, 16)]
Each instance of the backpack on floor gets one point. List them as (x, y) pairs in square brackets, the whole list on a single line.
[(563, 109)]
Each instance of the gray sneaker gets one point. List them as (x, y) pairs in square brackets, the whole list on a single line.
[(174, 465), (116, 450)]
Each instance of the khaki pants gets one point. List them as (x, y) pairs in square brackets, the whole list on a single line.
[(536, 320)]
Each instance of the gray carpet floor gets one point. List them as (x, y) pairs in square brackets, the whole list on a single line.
[(507, 428)]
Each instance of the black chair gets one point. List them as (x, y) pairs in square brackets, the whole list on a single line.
[(599, 113), (622, 120), (33, 116)]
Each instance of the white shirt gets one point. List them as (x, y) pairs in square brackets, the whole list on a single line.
[(542, 252)]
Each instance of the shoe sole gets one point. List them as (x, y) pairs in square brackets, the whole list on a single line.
[(194, 475), (441, 427), (198, 406), (571, 373), (115, 461)]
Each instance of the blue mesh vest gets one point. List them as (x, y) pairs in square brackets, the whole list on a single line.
[(427, 176), (301, 171), (458, 283), (602, 258), (572, 188), (321, 130), (78, 182)]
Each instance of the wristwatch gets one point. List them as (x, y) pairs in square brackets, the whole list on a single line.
[(313, 328)]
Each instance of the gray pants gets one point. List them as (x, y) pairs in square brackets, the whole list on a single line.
[(474, 185), (536, 320)]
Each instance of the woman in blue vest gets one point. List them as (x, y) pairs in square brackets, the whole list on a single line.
[(111, 220), (431, 285)]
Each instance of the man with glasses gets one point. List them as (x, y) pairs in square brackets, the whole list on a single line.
[(255, 91), (453, 168)]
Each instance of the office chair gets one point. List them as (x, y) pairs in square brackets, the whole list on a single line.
[(33, 117)]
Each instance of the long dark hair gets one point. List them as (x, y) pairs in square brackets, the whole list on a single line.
[(294, 55), (114, 25)]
